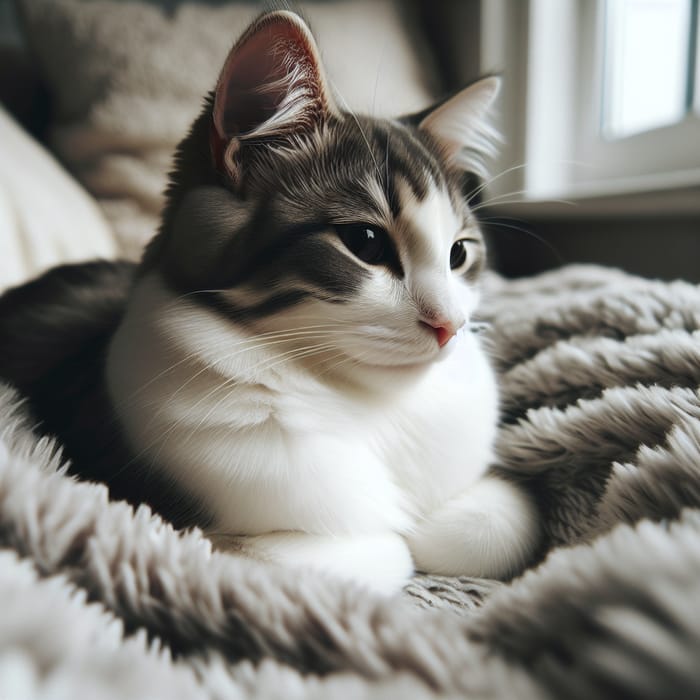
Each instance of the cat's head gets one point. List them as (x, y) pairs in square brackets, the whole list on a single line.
[(289, 215)]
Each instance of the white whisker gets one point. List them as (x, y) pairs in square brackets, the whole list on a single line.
[(251, 345), (229, 382), (272, 335), (479, 188)]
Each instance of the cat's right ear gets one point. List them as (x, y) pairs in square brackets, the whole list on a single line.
[(272, 84), (461, 126)]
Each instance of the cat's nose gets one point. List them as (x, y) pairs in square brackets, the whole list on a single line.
[(444, 329)]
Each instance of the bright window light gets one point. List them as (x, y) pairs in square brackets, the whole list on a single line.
[(646, 67)]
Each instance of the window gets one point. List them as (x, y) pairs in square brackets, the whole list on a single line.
[(601, 96), (648, 65)]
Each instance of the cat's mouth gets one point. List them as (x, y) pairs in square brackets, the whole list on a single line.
[(401, 358), (444, 350)]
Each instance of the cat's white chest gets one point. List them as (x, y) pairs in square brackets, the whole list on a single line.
[(326, 463), (439, 440)]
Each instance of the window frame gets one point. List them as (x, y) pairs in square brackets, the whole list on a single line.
[(653, 153), (556, 145)]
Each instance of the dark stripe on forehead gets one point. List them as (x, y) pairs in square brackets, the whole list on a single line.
[(404, 157), (382, 136), (326, 181), (418, 146)]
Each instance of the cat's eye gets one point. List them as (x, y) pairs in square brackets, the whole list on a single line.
[(369, 243), (458, 254)]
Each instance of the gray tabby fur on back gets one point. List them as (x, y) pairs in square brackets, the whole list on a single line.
[(601, 414)]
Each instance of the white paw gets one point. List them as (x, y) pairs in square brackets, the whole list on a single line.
[(381, 562), (490, 530)]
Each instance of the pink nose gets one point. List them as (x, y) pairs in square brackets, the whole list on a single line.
[(444, 330)]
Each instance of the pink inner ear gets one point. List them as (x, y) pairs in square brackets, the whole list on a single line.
[(252, 86)]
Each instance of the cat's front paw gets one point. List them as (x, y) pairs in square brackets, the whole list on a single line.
[(381, 562), (491, 530)]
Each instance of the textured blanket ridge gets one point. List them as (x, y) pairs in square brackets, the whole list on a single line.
[(600, 374), (601, 419)]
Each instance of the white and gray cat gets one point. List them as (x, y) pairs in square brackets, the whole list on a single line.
[(288, 366)]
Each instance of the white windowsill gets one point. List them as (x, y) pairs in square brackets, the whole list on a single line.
[(670, 194)]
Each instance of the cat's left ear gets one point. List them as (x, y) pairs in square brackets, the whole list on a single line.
[(272, 84), (461, 125)]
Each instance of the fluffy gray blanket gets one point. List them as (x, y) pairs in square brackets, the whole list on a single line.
[(601, 419)]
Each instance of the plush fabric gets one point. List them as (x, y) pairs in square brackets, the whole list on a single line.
[(46, 217), (128, 78), (601, 419)]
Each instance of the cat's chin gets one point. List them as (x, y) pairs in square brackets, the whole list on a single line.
[(405, 361), (378, 372)]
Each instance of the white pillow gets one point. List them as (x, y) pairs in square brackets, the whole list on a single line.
[(46, 217)]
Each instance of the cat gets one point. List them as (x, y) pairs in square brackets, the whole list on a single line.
[(290, 366)]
